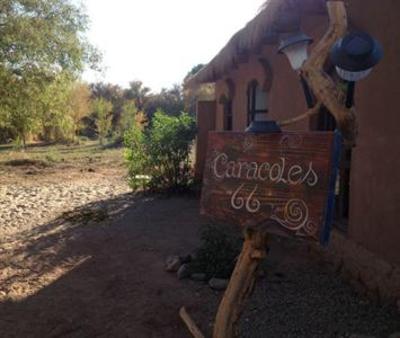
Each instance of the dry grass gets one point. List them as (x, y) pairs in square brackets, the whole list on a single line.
[(40, 155)]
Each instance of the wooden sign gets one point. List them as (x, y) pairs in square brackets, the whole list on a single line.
[(284, 181)]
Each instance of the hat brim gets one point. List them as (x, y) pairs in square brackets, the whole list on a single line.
[(341, 59)]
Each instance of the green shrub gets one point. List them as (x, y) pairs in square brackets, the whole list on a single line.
[(220, 247), (158, 156)]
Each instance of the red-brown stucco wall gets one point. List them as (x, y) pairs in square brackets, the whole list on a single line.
[(375, 180)]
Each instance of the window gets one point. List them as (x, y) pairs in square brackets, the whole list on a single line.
[(257, 105), (326, 122), (228, 116), (227, 112)]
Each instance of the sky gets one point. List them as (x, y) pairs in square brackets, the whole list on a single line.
[(159, 41)]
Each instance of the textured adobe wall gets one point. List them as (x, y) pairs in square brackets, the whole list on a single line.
[(375, 178), (375, 181)]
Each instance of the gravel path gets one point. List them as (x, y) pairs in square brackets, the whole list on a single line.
[(302, 296)]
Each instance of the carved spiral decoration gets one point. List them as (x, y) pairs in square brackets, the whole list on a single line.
[(295, 215), (310, 228)]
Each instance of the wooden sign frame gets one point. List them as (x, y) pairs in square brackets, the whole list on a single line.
[(284, 182)]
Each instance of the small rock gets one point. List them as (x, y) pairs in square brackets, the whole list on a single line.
[(199, 277), (218, 283), (91, 170), (172, 263), (183, 272)]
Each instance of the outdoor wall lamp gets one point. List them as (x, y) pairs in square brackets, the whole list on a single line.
[(262, 127), (295, 46), (354, 57)]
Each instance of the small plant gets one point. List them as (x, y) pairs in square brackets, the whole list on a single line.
[(220, 247), (158, 156)]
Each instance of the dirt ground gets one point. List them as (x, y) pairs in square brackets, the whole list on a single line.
[(93, 266)]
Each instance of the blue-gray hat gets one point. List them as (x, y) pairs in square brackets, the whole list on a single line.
[(355, 52)]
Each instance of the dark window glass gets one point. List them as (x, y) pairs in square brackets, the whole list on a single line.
[(256, 101), (228, 115)]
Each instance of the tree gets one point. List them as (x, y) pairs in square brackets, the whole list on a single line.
[(53, 110), (169, 101), (112, 93), (102, 110), (39, 40), (79, 104), (138, 93), (128, 116)]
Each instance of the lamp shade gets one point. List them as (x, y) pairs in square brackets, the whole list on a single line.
[(294, 46), (355, 55)]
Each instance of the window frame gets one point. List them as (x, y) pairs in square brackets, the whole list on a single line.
[(251, 101)]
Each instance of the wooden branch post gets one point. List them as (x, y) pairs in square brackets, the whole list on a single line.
[(322, 85), (241, 284)]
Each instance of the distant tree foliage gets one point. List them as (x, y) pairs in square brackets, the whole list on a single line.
[(79, 104), (170, 101), (137, 92), (103, 114), (42, 52), (128, 116), (112, 93)]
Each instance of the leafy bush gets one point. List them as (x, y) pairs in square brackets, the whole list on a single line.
[(218, 252), (158, 156)]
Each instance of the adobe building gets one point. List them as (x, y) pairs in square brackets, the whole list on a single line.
[(249, 74)]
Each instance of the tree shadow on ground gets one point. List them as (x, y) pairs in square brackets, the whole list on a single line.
[(98, 271)]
